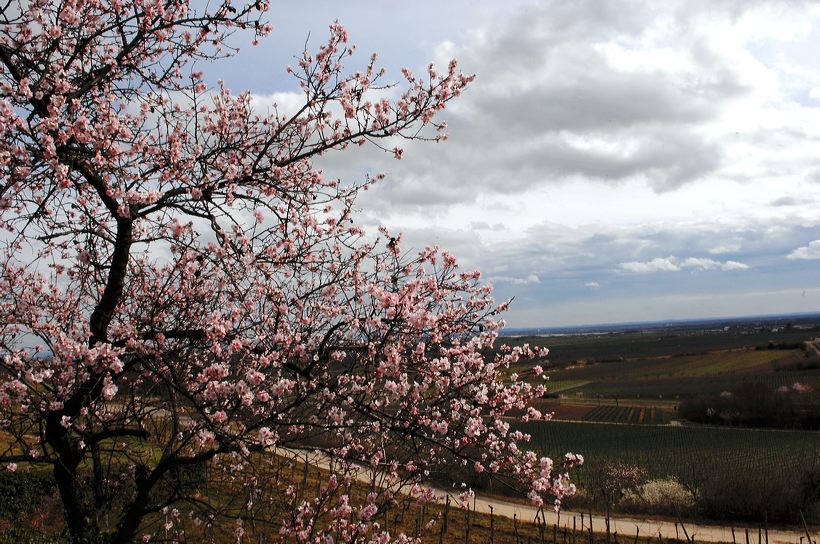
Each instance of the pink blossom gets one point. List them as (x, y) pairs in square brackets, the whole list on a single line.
[(109, 390)]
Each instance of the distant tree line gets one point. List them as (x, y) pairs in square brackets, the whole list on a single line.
[(756, 405), (780, 345)]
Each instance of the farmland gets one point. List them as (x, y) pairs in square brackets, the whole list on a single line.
[(642, 376), (618, 396), (680, 376), (639, 412), (765, 468), (688, 387), (649, 390), (671, 450), (629, 414), (612, 343)]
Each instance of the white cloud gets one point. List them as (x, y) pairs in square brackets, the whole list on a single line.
[(711, 264), (734, 265), (811, 251), (649, 267), (592, 285), (704, 264), (724, 248), (530, 279), (284, 103), (674, 264)]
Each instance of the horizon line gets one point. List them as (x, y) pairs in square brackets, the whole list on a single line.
[(659, 322)]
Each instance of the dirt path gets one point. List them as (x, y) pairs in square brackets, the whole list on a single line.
[(624, 525)]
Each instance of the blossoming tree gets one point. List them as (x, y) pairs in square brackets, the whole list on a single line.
[(180, 287)]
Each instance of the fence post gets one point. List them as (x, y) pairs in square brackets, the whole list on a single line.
[(492, 526), (682, 526), (806, 527), (591, 534), (573, 528), (515, 527), (445, 521)]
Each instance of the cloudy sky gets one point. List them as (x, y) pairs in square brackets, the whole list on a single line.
[(613, 161)]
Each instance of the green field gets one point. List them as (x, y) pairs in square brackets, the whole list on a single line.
[(560, 386), (681, 377), (691, 366), (668, 388)]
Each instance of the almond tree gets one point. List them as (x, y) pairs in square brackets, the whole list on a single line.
[(180, 287)]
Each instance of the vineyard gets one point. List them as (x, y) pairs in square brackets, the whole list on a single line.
[(669, 450), (759, 464), (646, 414), (639, 415)]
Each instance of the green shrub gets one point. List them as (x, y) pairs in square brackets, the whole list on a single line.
[(21, 495), (24, 535), (22, 492), (752, 497)]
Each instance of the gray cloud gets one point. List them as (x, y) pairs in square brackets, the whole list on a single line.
[(786, 201), (707, 103), (551, 104), (550, 107)]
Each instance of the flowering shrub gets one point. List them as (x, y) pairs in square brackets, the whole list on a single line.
[(665, 496), (614, 480), (180, 286)]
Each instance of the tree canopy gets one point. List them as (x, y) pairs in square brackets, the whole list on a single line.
[(181, 287)]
